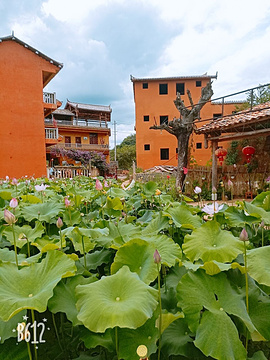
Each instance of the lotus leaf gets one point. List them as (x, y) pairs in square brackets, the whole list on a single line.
[(31, 287), (24, 232), (182, 217), (238, 218), (209, 243), (258, 212), (120, 300), (216, 334), (138, 256), (258, 264), (42, 212), (6, 327)]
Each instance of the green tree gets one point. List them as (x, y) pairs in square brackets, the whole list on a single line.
[(125, 152)]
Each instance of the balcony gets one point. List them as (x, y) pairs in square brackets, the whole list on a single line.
[(49, 98), (89, 147), (79, 123), (51, 136)]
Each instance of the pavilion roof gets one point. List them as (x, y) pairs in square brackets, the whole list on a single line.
[(89, 107), (245, 120)]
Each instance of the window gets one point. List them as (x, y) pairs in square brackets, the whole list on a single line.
[(198, 83), (146, 118), (198, 145), (180, 88), (163, 89), (93, 138), (215, 116), (176, 150), (78, 141), (163, 119), (145, 85), (146, 147), (164, 154)]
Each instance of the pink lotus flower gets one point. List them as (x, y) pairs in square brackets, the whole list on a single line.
[(212, 208), (9, 217), (157, 257), (243, 235), (197, 190), (13, 203), (185, 170), (14, 181), (106, 184), (67, 202), (59, 223), (41, 187), (98, 185), (230, 183)]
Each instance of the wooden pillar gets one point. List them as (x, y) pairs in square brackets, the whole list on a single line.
[(214, 163)]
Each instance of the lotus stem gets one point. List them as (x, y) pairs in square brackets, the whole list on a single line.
[(84, 256), (61, 239), (15, 245), (33, 322), (29, 351), (116, 343), (160, 313), (246, 278), (56, 332), (262, 236)]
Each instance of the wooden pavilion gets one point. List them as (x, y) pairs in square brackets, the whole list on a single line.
[(249, 123)]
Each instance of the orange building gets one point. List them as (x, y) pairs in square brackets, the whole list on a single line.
[(78, 126), (24, 72), (154, 104)]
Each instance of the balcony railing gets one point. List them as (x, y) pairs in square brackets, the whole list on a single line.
[(80, 122), (99, 147), (49, 98), (51, 134)]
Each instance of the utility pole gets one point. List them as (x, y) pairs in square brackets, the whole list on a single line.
[(114, 140)]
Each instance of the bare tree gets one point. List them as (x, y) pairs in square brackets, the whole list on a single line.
[(183, 127)]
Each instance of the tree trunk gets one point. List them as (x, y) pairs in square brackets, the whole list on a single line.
[(183, 140)]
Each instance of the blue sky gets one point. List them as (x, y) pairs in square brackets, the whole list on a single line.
[(102, 42)]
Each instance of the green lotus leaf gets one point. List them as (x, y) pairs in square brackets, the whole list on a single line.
[(7, 255), (169, 250), (6, 327), (24, 232), (177, 339), (92, 340), (117, 193), (217, 337), (64, 299), (45, 242), (71, 217), (32, 286), (168, 318), (258, 264), (258, 212), (138, 256), (159, 223), (182, 217), (130, 339), (97, 258), (262, 200), (10, 351), (32, 199), (150, 188), (80, 238), (42, 212), (259, 355), (120, 300), (216, 334), (238, 218), (113, 204), (259, 312), (6, 195), (209, 243)]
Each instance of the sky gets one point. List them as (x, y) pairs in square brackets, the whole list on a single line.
[(102, 42)]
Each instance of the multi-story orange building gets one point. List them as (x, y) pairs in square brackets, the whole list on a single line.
[(79, 126), (154, 104), (24, 72)]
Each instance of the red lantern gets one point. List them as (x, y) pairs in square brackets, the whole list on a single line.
[(220, 154), (248, 151)]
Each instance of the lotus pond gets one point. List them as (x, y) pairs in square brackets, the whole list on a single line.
[(91, 271)]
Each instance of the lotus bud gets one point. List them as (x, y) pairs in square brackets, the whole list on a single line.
[(157, 257), (98, 185), (14, 181), (106, 184), (59, 223), (214, 190), (262, 224), (67, 202), (230, 183), (13, 203), (9, 217), (244, 235)]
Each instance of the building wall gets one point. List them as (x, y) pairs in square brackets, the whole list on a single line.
[(22, 141), (148, 102)]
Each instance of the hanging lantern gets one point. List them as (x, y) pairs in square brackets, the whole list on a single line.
[(220, 154), (248, 151)]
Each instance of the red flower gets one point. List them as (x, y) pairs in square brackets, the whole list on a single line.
[(168, 176), (185, 170)]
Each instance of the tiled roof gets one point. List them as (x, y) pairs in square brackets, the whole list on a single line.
[(225, 124), (103, 108), (37, 52), (63, 112), (204, 76)]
